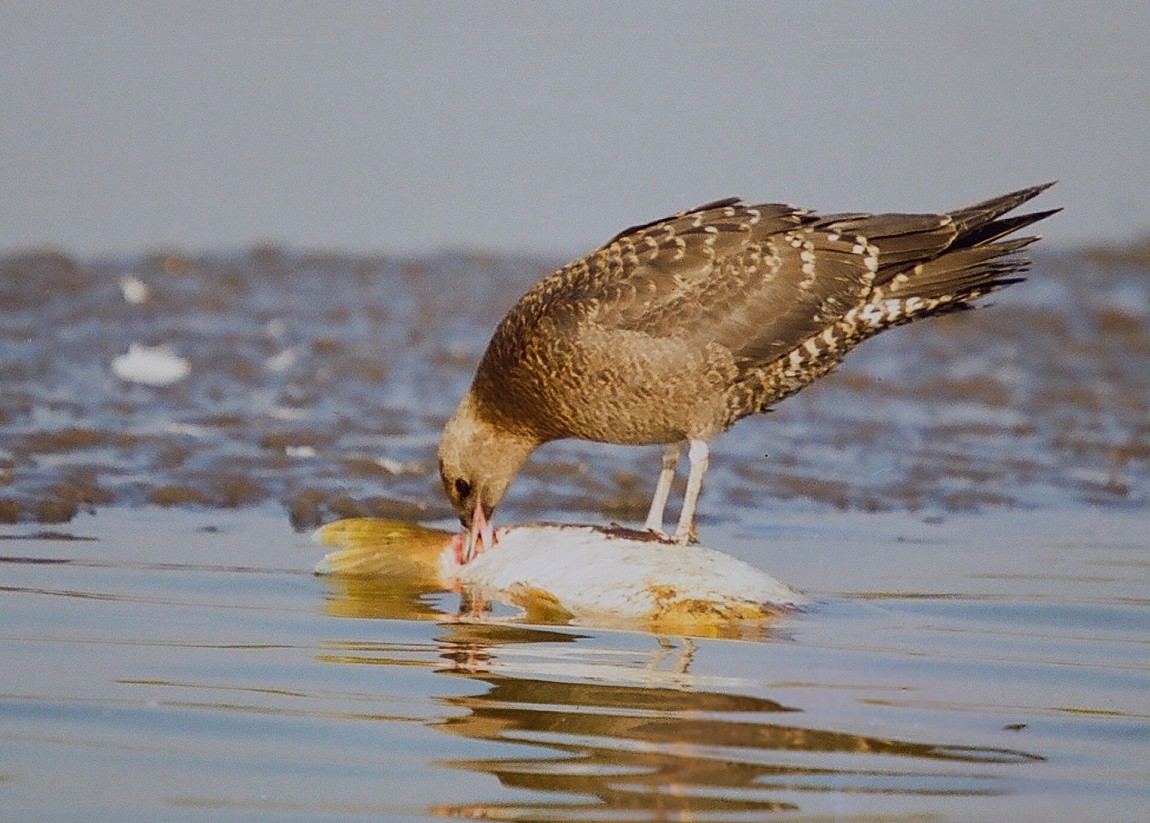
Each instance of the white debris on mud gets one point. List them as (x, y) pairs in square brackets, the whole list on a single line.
[(151, 365), (134, 290)]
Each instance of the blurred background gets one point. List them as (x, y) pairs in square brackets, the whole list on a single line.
[(250, 253), (520, 127)]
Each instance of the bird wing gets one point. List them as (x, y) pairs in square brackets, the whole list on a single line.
[(760, 279), (756, 279), (642, 277)]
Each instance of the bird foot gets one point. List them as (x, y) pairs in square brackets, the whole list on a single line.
[(686, 537)]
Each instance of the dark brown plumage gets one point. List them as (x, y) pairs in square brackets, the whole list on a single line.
[(675, 329)]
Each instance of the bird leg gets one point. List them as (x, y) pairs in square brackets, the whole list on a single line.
[(697, 454), (662, 488)]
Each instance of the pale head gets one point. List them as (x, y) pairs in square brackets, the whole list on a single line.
[(477, 462)]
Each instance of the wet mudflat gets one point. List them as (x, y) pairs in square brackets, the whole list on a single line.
[(966, 500)]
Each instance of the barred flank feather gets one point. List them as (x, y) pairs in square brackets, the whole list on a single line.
[(917, 275)]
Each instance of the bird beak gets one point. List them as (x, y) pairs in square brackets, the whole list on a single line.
[(480, 537)]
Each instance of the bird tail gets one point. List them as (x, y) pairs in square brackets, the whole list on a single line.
[(927, 265), (976, 262)]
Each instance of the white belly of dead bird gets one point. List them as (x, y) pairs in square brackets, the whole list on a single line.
[(586, 574), (592, 572)]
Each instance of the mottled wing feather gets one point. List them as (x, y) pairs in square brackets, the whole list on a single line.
[(783, 284), (784, 292), (757, 279), (901, 238), (648, 270), (626, 282), (714, 204), (794, 282)]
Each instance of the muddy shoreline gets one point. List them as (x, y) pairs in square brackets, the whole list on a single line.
[(318, 383)]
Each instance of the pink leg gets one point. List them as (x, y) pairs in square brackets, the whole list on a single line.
[(698, 455), (662, 489)]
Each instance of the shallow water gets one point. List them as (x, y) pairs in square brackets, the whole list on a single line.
[(984, 668), (966, 500)]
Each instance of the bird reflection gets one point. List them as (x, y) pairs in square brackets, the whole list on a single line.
[(381, 598), (677, 752), (619, 733)]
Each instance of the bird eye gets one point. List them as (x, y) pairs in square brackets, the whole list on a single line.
[(462, 488)]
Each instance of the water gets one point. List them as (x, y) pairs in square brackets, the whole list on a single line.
[(187, 664), (966, 501)]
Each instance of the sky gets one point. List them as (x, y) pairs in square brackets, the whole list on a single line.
[(544, 128)]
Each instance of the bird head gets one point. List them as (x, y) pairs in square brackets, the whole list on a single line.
[(477, 461)]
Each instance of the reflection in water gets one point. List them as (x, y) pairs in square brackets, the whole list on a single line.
[(394, 598), (400, 596), (619, 732)]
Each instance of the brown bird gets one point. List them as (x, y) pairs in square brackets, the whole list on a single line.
[(675, 329)]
